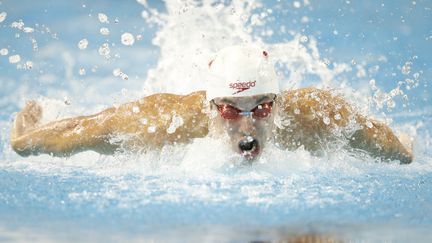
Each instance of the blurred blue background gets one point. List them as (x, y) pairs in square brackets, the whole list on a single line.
[(381, 35)]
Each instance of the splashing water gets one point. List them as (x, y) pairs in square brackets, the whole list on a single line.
[(4, 51), (204, 183), (3, 16), (103, 18), (82, 44), (104, 50), (14, 58), (104, 31)]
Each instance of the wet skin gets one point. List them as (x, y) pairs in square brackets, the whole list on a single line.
[(308, 117), (247, 134)]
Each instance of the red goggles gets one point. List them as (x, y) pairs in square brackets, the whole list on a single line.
[(230, 112)]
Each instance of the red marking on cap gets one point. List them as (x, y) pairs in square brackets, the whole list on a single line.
[(265, 53), (210, 63)]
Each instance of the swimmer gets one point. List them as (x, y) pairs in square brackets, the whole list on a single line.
[(242, 102)]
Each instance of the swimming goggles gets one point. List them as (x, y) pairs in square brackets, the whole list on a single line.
[(230, 112)]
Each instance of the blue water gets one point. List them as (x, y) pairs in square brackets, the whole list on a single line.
[(182, 194)]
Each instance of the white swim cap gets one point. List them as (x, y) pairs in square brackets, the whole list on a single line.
[(238, 71)]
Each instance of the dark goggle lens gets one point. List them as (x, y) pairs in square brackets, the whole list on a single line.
[(231, 113), (263, 110)]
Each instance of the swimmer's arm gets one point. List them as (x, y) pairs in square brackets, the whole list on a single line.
[(64, 137), (307, 108), (139, 124), (379, 140)]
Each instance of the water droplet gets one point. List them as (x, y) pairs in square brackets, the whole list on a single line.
[(103, 18), (28, 65), (143, 121), (296, 4), (391, 104), (82, 44), (337, 117), (82, 71), (3, 16), (104, 50), (28, 30), (326, 61), (139, 37), (18, 24), (104, 31), (127, 39), (326, 120), (4, 51), (66, 100), (151, 129), (369, 124), (406, 68), (304, 39), (116, 20), (145, 14), (34, 44), (176, 122), (14, 59), (135, 109), (117, 72)]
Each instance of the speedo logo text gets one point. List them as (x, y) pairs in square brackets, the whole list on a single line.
[(241, 86)]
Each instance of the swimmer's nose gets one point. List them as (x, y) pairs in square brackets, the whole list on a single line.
[(247, 144)]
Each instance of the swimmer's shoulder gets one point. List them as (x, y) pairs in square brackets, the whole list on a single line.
[(164, 98), (311, 96), (304, 92), (313, 104)]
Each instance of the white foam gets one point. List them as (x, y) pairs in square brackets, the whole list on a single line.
[(185, 54)]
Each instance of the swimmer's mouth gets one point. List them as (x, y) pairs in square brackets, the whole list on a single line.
[(249, 149)]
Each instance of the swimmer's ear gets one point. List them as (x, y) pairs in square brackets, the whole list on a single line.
[(210, 63)]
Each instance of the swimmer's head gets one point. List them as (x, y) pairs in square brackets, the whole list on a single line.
[(239, 71), (242, 92)]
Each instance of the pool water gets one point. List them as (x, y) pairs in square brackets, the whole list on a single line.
[(201, 192)]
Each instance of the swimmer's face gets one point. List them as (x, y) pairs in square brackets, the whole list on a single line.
[(248, 122)]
